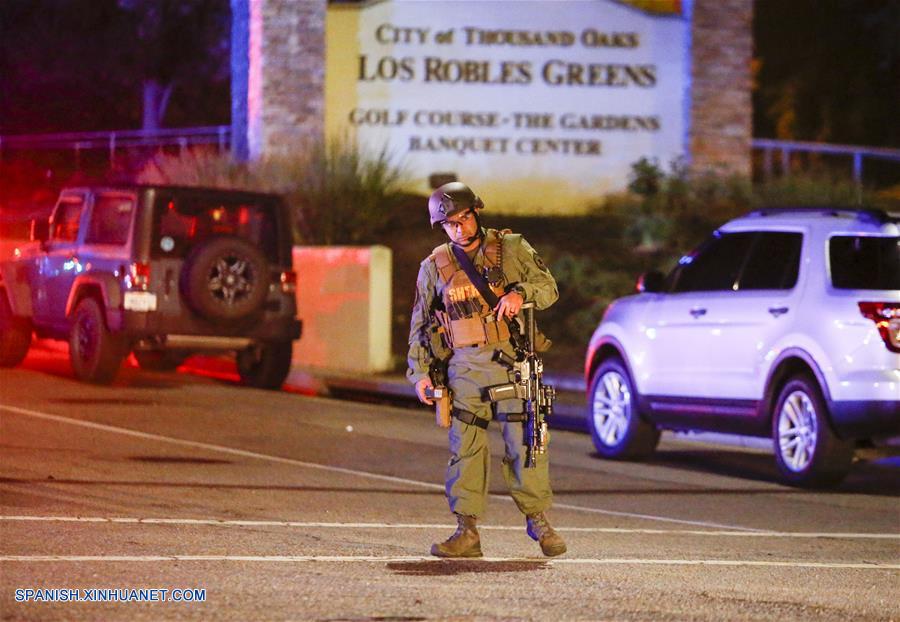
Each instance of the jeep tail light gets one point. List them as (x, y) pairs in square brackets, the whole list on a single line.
[(139, 275), (886, 316), (288, 281)]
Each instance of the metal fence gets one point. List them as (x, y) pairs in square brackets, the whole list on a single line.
[(786, 148), (220, 136), (183, 137)]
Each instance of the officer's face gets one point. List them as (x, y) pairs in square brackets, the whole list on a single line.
[(461, 227)]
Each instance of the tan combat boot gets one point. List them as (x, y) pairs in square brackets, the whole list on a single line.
[(540, 530), (465, 542)]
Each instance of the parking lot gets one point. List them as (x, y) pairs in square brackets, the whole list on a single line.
[(262, 505)]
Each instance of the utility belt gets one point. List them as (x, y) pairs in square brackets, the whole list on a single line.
[(473, 419), (473, 331)]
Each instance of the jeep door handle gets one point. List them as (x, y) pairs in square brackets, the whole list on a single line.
[(696, 312), (776, 311)]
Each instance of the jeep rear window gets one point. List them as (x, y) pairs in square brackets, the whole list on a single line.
[(865, 262), (183, 222), (110, 220)]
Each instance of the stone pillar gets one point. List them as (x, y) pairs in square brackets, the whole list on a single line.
[(721, 112), (278, 76)]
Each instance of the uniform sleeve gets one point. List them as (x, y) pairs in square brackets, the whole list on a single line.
[(536, 282), (419, 357)]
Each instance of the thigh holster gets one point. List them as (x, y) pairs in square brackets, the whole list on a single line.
[(471, 418)]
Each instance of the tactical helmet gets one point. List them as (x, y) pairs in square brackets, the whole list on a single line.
[(451, 199)]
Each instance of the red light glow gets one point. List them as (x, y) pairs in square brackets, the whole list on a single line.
[(886, 316)]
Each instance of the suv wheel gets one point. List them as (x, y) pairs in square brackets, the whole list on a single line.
[(807, 452), (616, 426), (15, 335), (159, 360), (226, 278), (265, 366), (96, 354)]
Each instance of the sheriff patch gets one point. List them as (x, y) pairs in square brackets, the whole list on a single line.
[(463, 292)]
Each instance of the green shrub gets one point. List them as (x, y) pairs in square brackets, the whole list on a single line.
[(809, 190), (673, 210), (343, 195), (585, 289)]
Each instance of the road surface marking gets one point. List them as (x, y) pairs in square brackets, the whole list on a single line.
[(313, 524), (280, 559), (333, 469)]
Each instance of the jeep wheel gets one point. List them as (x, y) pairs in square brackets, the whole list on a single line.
[(15, 335), (616, 426), (160, 360), (96, 354), (807, 452), (226, 279), (265, 366)]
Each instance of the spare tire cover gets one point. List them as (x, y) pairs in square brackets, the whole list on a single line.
[(225, 278)]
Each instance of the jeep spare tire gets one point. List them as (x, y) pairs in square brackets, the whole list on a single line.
[(225, 278)]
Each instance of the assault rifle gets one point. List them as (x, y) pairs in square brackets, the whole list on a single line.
[(528, 369)]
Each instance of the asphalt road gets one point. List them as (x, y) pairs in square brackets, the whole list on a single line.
[(285, 506)]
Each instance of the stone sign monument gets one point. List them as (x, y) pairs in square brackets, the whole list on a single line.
[(542, 105)]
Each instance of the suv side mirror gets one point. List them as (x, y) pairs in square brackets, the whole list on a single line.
[(650, 282), (40, 230)]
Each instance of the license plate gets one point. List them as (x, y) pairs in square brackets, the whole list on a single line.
[(140, 301)]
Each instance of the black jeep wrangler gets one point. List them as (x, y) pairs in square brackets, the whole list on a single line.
[(162, 271)]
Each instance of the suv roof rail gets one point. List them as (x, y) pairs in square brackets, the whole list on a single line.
[(877, 216)]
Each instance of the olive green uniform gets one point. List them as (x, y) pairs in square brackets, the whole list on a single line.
[(470, 371)]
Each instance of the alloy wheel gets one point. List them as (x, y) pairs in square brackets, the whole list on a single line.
[(611, 408), (231, 279), (797, 431), (87, 337)]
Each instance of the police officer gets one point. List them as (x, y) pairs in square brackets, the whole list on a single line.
[(447, 302)]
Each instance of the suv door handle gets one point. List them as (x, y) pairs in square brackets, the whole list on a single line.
[(696, 312), (776, 311)]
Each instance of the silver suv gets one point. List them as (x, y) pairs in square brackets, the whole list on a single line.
[(784, 323)]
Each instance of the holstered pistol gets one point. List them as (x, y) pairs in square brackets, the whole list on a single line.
[(441, 397)]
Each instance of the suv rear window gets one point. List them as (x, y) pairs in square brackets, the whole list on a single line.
[(181, 223), (864, 262)]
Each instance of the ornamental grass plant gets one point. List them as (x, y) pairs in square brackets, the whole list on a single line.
[(337, 192)]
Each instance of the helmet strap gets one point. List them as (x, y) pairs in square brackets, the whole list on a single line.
[(479, 231)]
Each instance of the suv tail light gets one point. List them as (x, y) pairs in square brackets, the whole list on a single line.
[(139, 275), (288, 281), (886, 316)]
